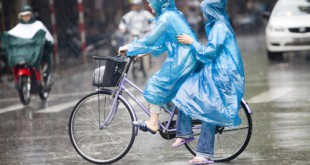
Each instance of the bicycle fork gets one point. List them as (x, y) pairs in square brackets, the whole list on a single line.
[(112, 112), (114, 109)]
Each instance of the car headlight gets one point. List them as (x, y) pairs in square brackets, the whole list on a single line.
[(276, 28)]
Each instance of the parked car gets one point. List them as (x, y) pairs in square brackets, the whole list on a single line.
[(288, 28)]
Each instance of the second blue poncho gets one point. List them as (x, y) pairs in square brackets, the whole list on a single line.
[(214, 93)]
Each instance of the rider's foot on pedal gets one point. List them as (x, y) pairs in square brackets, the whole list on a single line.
[(152, 125), (146, 126)]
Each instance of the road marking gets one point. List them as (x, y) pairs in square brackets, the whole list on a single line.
[(11, 108), (70, 94), (270, 95), (61, 107), (54, 96), (263, 97), (64, 106), (58, 108)]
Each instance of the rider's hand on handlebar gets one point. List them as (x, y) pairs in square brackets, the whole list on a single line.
[(122, 50)]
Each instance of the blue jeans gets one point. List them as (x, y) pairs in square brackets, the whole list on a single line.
[(205, 147)]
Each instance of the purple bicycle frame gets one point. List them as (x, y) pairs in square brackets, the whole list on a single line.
[(122, 88)]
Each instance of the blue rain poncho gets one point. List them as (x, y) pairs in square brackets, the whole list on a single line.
[(214, 93), (181, 61)]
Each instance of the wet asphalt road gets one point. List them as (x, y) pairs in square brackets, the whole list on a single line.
[(278, 93)]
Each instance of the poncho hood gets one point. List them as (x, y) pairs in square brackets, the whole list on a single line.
[(214, 10), (161, 6)]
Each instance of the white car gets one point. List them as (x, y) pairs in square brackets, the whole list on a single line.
[(288, 28)]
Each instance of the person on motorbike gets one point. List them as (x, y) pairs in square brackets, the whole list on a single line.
[(136, 24), (27, 27)]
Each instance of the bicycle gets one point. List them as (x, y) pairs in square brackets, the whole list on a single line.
[(101, 128)]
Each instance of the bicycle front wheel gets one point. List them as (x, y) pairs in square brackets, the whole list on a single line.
[(230, 142), (100, 132)]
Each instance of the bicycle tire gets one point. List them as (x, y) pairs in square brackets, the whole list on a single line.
[(24, 87), (232, 141), (113, 141)]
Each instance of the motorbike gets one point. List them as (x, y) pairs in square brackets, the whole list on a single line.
[(30, 70)]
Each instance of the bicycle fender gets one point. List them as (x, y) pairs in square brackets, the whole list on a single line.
[(246, 105), (129, 106)]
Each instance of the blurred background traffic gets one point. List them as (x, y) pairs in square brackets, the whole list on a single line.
[(102, 17)]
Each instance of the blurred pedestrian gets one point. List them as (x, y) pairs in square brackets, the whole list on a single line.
[(136, 24)]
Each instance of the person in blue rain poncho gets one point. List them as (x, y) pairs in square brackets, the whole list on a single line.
[(212, 94), (180, 63)]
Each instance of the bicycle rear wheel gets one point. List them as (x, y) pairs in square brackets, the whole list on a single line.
[(230, 142), (101, 145)]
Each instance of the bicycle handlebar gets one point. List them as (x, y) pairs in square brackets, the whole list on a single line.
[(131, 59), (140, 55)]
